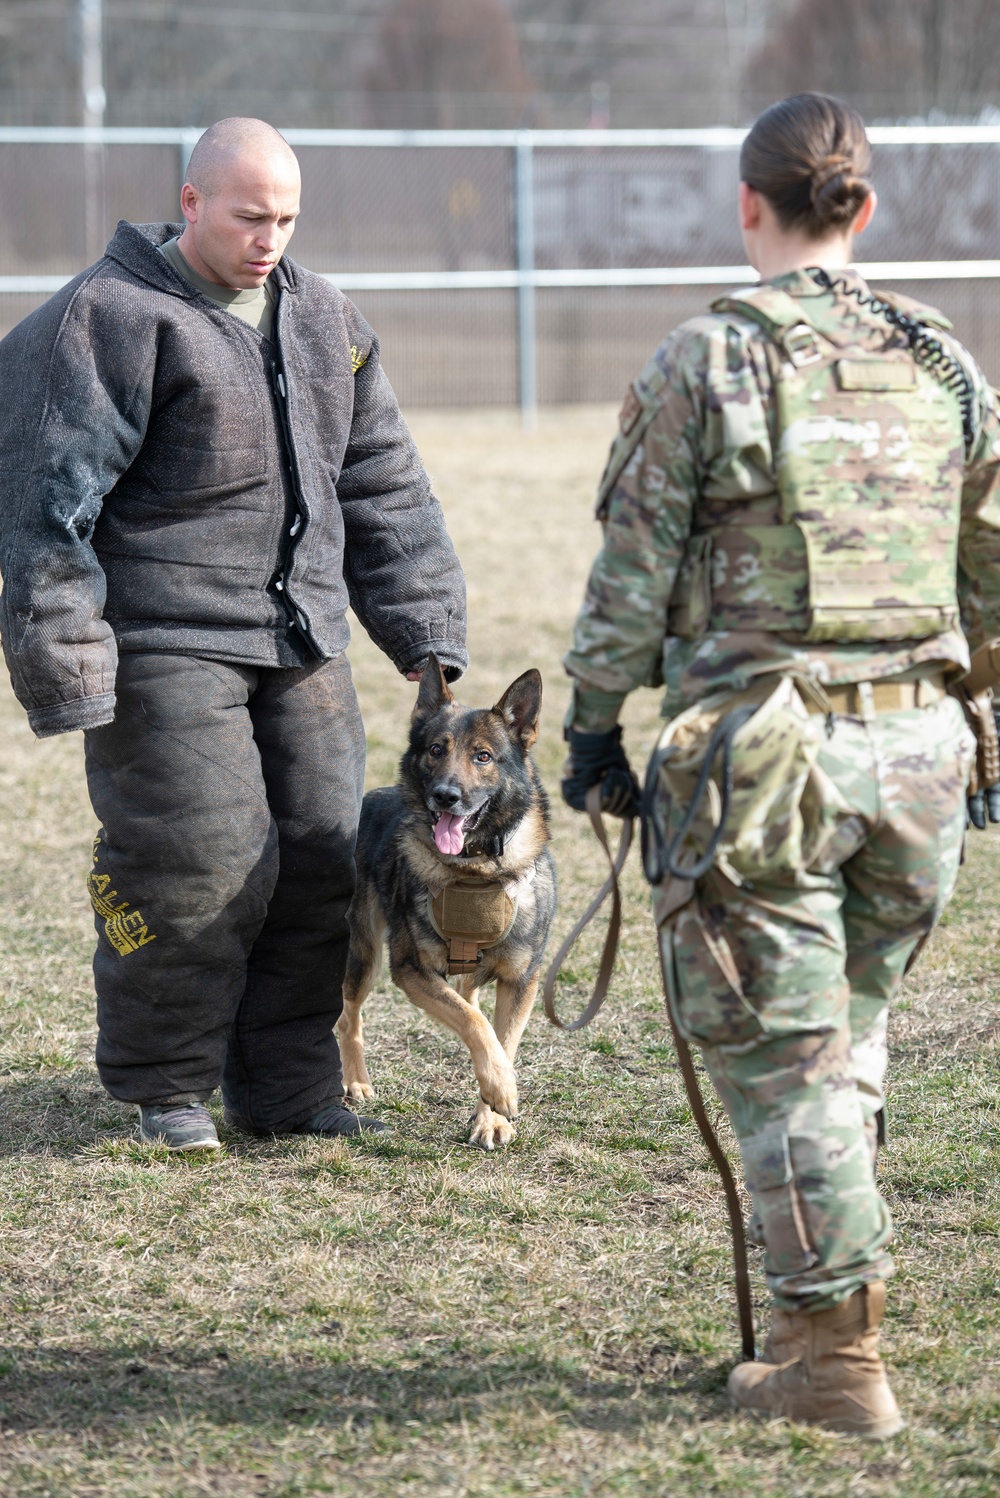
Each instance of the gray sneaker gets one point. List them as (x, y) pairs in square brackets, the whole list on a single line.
[(336, 1119), (178, 1126)]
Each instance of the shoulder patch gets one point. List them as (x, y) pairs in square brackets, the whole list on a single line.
[(630, 412), (358, 359), (642, 401)]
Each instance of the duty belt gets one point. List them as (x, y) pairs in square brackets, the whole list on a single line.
[(471, 915), (863, 699)]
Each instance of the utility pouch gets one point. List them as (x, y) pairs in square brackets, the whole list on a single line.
[(471, 915), (758, 783)]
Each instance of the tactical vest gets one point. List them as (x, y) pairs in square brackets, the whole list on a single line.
[(869, 459)]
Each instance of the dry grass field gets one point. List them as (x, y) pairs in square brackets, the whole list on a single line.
[(405, 1315)]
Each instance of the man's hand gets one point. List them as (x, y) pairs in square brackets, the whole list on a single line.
[(451, 673), (599, 759)]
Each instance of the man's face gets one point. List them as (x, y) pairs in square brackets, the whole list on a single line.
[(237, 233)]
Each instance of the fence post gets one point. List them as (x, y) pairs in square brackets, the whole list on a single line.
[(94, 99), (526, 333)]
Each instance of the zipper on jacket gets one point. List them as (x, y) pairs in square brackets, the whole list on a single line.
[(280, 388)]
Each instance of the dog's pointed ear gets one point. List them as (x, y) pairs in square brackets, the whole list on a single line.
[(520, 706), (433, 691)]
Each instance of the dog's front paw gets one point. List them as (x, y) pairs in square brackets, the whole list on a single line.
[(357, 1082), (498, 1086), (489, 1129)]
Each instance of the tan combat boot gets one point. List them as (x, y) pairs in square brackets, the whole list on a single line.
[(786, 1338), (834, 1377)]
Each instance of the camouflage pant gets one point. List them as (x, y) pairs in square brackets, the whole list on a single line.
[(841, 851)]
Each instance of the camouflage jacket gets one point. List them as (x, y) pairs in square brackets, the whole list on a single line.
[(696, 449)]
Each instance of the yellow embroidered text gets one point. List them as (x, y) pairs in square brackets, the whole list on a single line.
[(125, 928)]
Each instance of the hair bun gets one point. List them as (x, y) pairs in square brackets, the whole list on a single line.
[(809, 157), (837, 190), (824, 173)]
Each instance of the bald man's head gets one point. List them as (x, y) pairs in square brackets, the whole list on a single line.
[(227, 144), (240, 199)]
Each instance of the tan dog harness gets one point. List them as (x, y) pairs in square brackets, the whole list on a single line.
[(471, 915)]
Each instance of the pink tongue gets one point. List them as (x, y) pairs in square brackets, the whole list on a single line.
[(448, 833)]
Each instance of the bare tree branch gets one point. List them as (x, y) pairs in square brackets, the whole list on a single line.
[(435, 55), (891, 58)]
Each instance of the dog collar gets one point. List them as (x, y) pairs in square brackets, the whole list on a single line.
[(493, 849)]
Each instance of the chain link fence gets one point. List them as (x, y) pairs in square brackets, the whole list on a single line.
[(526, 266)]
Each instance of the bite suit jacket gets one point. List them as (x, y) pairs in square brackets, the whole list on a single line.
[(170, 480)]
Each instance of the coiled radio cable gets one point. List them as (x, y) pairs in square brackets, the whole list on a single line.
[(927, 349)]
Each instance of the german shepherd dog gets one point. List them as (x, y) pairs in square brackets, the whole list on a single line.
[(467, 823)]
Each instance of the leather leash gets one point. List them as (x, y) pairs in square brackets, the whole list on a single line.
[(610, 886), (741, 1269)]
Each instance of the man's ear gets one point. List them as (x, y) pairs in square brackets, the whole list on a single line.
[(433, 691), (190, 202), (520, 706)]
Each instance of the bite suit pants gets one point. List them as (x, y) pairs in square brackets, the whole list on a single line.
[(228, 797)]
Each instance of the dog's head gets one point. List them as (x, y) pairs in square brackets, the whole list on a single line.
[(466, 769)]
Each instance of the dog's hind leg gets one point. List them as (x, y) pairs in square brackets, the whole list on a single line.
[(515, 1000), (467, 984), (363, 958)]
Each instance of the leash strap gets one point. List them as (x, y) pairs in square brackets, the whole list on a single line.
[(741, 1270), (610, 887)]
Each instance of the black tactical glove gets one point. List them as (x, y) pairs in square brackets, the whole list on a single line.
[(986, 804), (599, 759)]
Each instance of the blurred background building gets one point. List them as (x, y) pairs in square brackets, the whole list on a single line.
[(468, 223)]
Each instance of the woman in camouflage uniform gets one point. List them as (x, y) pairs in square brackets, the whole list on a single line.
[(801, 519)]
